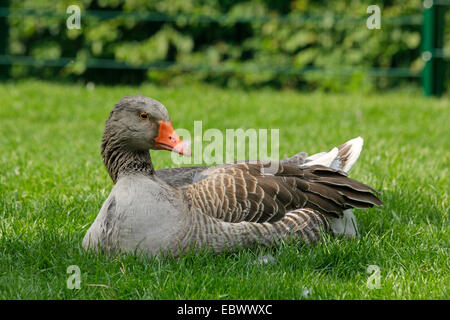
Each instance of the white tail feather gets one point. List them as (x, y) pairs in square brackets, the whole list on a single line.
[(340, 158), (349, 153), (323, 158)]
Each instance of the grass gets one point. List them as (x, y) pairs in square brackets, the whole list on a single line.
[(53, 183)]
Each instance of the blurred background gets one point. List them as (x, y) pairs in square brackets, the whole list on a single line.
[(300, 44)]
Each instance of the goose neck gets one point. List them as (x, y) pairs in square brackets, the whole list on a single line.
[(120, 161)]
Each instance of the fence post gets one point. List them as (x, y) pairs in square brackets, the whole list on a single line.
[(4, 39), (432, 40), (439, 60)]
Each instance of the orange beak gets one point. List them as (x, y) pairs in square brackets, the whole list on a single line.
[(167, 139)]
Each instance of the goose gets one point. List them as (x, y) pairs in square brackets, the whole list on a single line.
[(223, 207)]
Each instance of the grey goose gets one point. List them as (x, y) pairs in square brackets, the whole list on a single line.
[(221, 207)]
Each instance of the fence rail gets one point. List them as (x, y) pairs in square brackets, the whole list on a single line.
[(165, 65), (317, 19)]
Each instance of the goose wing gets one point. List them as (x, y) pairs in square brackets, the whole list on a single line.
[(250, 192)]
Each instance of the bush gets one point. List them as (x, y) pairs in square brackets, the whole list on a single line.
[(233, 43)]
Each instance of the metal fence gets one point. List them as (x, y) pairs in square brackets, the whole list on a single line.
[(432, 22), (433, 42)]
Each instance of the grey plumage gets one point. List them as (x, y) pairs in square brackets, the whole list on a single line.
[(221, 207)]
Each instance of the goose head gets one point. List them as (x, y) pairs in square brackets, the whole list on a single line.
[(138, 124)]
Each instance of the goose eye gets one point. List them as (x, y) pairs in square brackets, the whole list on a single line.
[(144, 116)]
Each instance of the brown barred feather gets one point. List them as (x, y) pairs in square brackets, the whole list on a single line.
[(243, 192)]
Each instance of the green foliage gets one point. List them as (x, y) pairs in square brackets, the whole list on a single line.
[(235, 43)]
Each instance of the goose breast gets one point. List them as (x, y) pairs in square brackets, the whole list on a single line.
[(139, 213)]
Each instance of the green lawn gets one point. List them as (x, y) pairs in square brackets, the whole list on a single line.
[(53, 183)]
